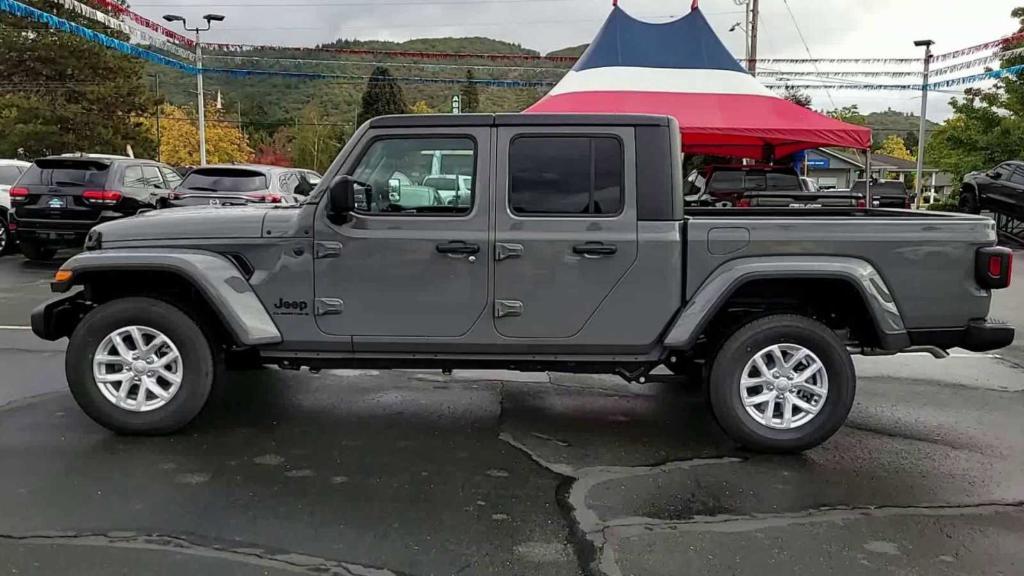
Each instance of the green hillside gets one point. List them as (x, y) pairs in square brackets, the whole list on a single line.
[(266, 103)]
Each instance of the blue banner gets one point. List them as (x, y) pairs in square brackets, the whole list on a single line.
[(23, 11)]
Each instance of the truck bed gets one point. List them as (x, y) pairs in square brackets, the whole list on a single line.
[(926, 258)]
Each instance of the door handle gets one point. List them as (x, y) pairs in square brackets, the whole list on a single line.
[(458, 248), (595, 249)]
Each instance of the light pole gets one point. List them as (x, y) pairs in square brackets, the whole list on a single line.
[(746, 31), (922, 134), (209, 18)]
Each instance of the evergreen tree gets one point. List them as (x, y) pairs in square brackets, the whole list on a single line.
[(798, 97), (62, 93), (470, 94), (382, 96)]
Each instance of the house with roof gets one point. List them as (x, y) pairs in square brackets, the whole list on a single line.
[(837, 169)]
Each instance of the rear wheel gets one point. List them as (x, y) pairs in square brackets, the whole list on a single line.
[(782, 383), (38, 252), (140, 366)]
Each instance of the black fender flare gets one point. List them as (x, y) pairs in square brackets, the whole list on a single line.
[(214, 276), (727, 279)]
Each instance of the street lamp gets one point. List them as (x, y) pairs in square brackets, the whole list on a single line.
[(209, 18), (922, 134)]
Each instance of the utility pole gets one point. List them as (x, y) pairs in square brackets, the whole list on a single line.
[(159, 105), (210, 18), (923, 133), (754, 12)]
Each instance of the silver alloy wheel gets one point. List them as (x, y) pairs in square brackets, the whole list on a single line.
[(3, 235), (137, 368), (784, 386)]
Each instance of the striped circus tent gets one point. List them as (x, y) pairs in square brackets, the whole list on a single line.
[(682, 69)]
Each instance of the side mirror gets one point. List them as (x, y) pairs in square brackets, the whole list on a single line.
[(342, 195), (995, 175), (395, 191)]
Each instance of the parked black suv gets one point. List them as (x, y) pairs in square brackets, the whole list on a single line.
[(998, 190), (59, 199), (885, 193)]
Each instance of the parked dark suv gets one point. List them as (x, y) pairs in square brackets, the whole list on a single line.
[(59, 199), (998, 190)]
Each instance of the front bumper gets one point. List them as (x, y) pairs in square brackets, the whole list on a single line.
[(978, 336), (57, 318)]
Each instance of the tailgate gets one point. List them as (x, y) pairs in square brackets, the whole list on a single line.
[(55, 188)]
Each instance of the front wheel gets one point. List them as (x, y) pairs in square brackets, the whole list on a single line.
[(140, 366), (968, 202), (782, 383)]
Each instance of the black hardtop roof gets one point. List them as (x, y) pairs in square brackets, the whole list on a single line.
[(444, 120)]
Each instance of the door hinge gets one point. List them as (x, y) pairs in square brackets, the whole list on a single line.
[(505, 251), (328, 250), (508, 308), (329, 306)]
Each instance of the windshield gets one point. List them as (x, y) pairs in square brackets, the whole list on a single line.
[(224, 180), (890, 187)]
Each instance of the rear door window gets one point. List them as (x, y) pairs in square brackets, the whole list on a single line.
[(170, 177), (228, 180), (153, 178), (133, 177), (571, 176), (785, 182), (731, 181), (67, 173)]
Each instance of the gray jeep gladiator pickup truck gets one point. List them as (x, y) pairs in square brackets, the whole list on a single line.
[(571, 252)]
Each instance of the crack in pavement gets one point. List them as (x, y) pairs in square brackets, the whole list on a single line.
[(288, 561), (590, 538), (732, 523)]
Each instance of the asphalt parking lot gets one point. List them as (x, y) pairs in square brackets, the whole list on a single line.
[(376, 473)]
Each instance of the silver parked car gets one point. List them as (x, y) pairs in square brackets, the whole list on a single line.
[(10, 171), (242, 185)]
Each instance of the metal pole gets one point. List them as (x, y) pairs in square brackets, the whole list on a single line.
[(752, 59), (923, 133), (867, 181), (202, 102), (746, 36), (158, 106)]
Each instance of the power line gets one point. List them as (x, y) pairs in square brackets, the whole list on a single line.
[(391, 64), (806, 47)]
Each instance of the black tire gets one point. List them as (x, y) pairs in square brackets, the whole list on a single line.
[(968, 202), (198, 364), (6, 241), (37, 252), (740, 348)]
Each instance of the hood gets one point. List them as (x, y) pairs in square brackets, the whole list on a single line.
[(187, 223)]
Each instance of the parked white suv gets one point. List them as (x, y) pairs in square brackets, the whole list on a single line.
[(10, 171)]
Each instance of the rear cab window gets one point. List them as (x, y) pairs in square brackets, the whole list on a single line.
[(566, 176), (226, 180)]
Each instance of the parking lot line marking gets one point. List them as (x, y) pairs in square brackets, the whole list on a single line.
[(15, 327)]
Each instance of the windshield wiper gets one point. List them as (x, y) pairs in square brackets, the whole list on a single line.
[(68, 183), (201, 189)]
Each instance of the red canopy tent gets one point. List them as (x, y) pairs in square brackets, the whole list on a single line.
[(682, 69)]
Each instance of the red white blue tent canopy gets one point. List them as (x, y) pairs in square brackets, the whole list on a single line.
[(682, 69)]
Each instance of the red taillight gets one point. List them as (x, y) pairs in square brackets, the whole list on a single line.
[(18, 194), (12, 225), (994, 267), (907, 204), (862, 203), (104, 197), (743, 203)]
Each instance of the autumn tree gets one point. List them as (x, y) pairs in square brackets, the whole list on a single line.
[(179, 137), (894, 146), (61, 93), (317, 139), (382, 96), (469, 94), (421, 107)]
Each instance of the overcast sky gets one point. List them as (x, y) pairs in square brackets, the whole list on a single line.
[(832, 28)]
